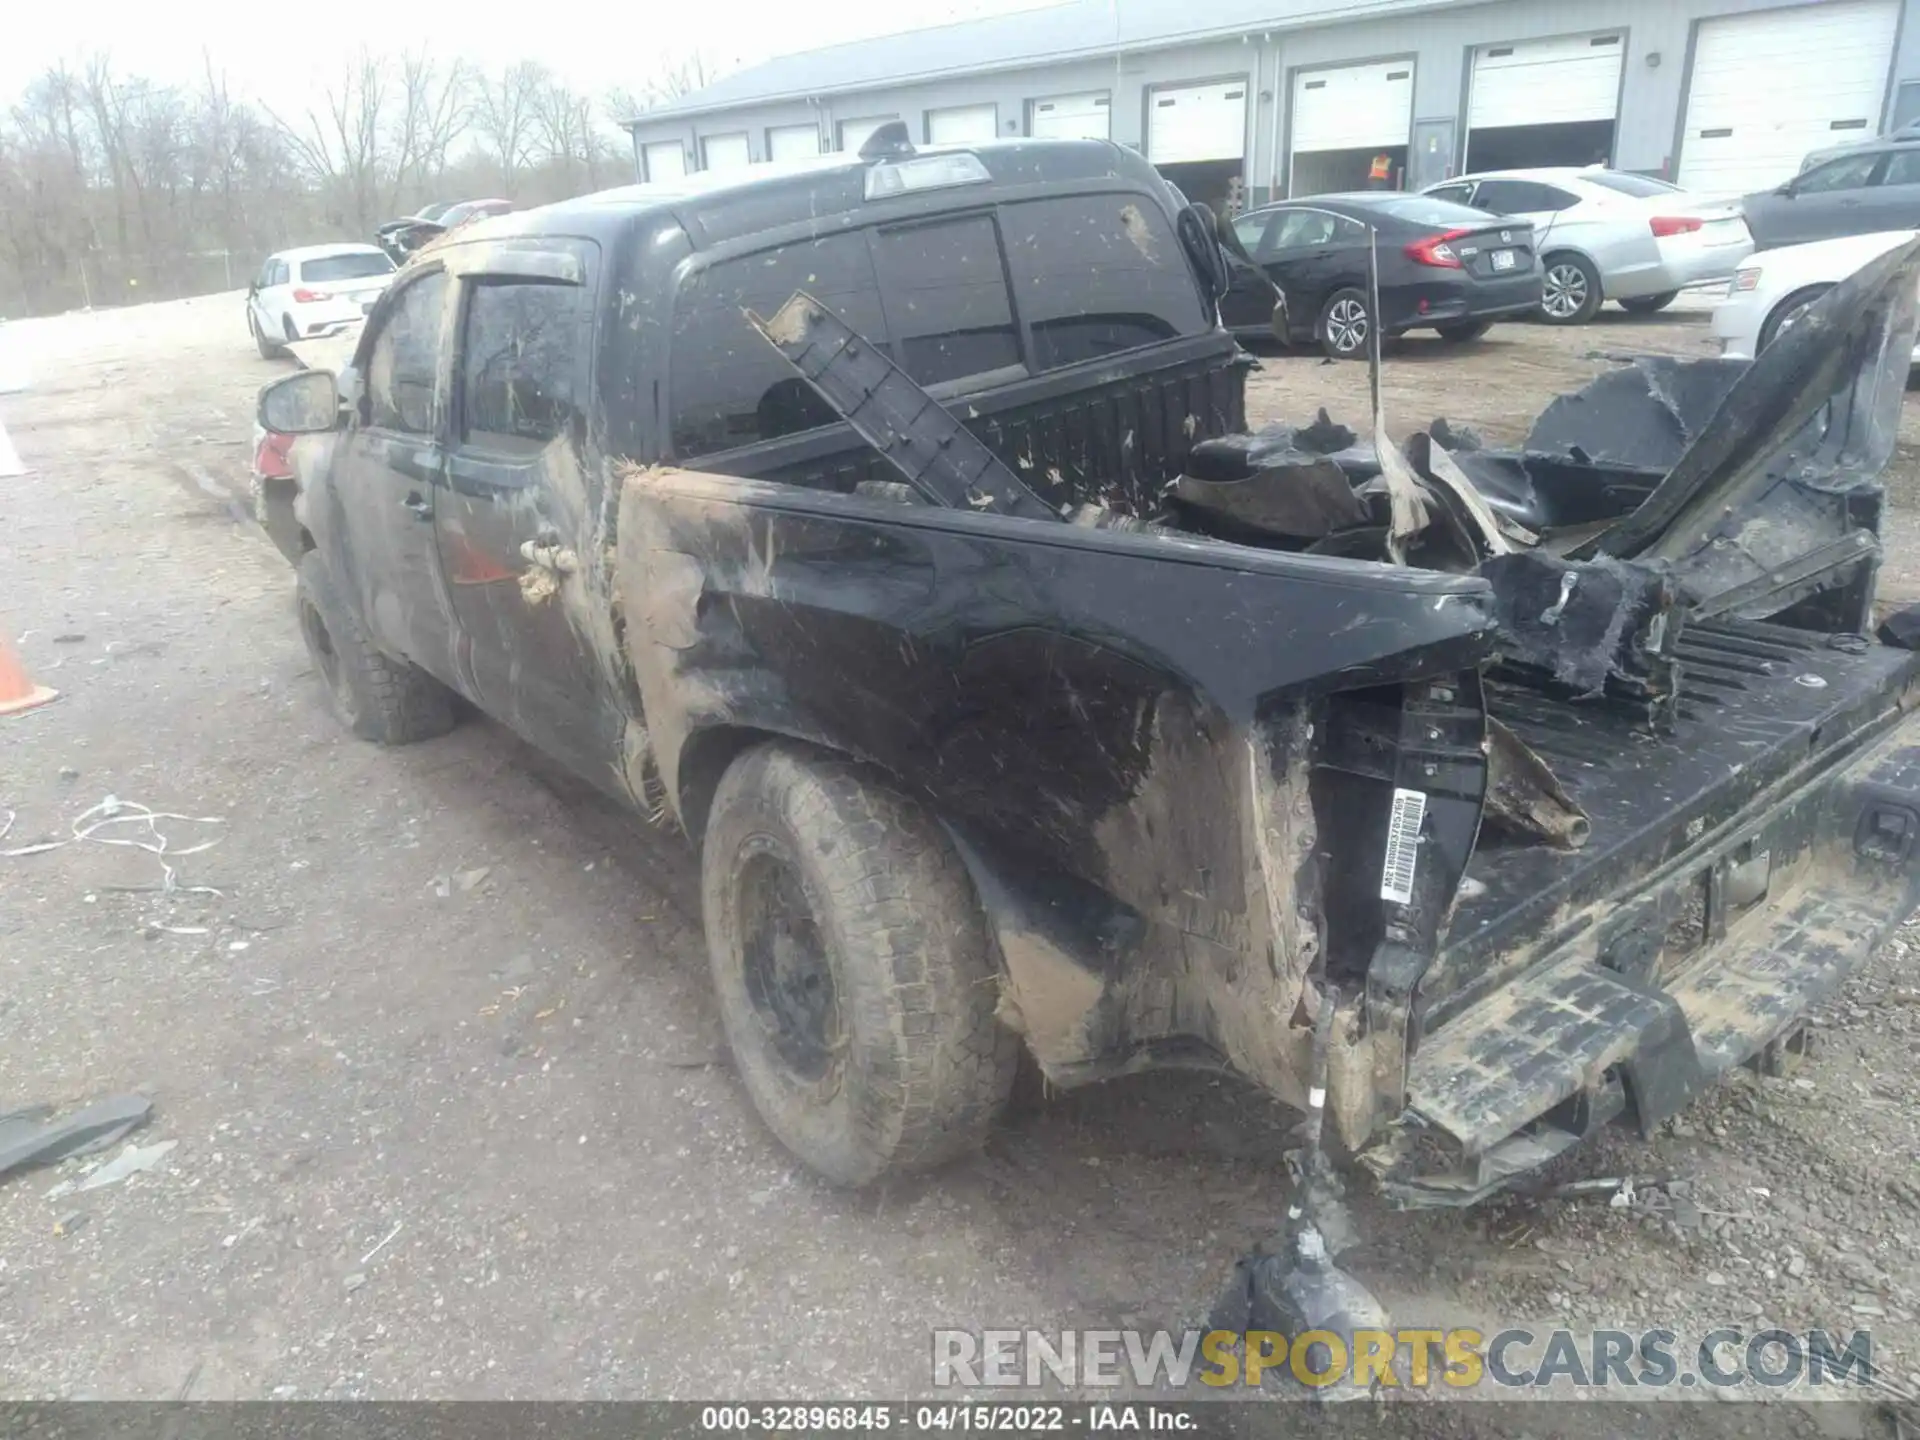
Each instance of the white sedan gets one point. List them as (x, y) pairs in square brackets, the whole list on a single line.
[(315, 290), (1774, 288)]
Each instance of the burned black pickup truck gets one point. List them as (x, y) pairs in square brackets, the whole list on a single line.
[(891, 525)]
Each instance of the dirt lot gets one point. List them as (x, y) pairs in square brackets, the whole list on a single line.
[(452, 1109)]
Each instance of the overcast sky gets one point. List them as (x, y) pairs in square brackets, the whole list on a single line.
[(271, 50)]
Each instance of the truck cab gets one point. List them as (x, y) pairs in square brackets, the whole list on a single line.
[(516, 365)]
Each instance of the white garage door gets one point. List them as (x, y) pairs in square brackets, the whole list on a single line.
[(1354, 107), (792, 142), (855, 133), (961, 125), (726, 152), (1072, 117), (664, 160), (1197, 122), (1545, 82), (1768, 88)]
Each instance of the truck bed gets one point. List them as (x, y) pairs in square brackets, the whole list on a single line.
[(1751, 714)]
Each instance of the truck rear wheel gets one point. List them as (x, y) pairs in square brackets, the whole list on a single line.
[(375, 696), (853, 968)]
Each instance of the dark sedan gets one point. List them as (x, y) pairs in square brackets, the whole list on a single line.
[(1443, 267)]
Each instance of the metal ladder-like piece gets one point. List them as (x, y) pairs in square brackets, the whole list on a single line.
[(912, 431)]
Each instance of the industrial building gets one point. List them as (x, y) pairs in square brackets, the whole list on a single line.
[(1260, 98)]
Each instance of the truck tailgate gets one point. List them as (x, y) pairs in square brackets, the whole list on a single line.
[(1759, 703), (1735, 871)]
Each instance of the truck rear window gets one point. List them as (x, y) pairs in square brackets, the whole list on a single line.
[(945, 293), (1097, 274), (730, 387), (1090, 275)]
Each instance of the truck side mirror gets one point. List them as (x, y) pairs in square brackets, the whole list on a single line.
[(303, 404)]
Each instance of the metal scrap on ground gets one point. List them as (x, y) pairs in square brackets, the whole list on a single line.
[(30, 1139)]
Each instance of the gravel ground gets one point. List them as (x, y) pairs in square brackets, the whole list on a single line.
[(452, 1111)]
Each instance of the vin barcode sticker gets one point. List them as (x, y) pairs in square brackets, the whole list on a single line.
[(1403, 846)]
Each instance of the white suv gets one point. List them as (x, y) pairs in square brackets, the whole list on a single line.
[(315, 290)]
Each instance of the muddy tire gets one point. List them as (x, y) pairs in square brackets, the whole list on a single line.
[(854, 972), (268, 350), (376, 697)]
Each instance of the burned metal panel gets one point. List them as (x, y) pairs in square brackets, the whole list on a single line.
[(1120, 717), (1639, 417), (1590, 626), (1807, 426)]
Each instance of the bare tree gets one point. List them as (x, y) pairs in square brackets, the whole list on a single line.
[(436, 104), (116, 187), (342, 145), (571, 146), (505, 118), (675, 77)]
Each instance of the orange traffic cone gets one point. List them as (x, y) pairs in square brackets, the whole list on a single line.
[(17, 692)]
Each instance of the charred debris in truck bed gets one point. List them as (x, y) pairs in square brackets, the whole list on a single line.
[(1666, 490)]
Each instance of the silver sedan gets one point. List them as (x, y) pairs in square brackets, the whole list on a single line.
[(1611, 235)]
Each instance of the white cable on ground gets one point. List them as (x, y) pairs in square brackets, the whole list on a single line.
[(115, 811)]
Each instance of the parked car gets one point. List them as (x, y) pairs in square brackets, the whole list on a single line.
[(1907, 134), (1774, 289), (1869, 191), (1442, 267), (965, 776), (388, 236), (400, 238), (454, 216), (1610, 235), (315, 290)]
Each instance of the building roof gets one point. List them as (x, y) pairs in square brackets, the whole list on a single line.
[(1074, 30)]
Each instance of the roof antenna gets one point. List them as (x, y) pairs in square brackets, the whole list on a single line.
[(891, 141)]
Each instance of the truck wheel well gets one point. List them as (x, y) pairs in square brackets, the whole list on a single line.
[(703, 760)]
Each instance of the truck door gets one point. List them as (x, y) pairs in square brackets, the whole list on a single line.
[(390, 465), (516, 521)]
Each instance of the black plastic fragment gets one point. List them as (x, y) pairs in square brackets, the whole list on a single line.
[(1901, 629), (29, 1140), (1300, 498), (1588, 622), (912, 431)]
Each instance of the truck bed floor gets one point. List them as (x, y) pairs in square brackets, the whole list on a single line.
[(1758, 702)]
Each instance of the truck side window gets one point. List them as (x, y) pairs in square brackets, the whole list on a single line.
[(945, 291), (405, 359), (519, 360), (1097, 274), (729, 386)]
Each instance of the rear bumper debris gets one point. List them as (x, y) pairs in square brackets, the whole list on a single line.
[(1750, 929)]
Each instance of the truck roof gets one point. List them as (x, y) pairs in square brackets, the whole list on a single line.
[(715, 206)]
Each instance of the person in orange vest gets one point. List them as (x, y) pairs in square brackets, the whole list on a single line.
[(1380, 173)]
